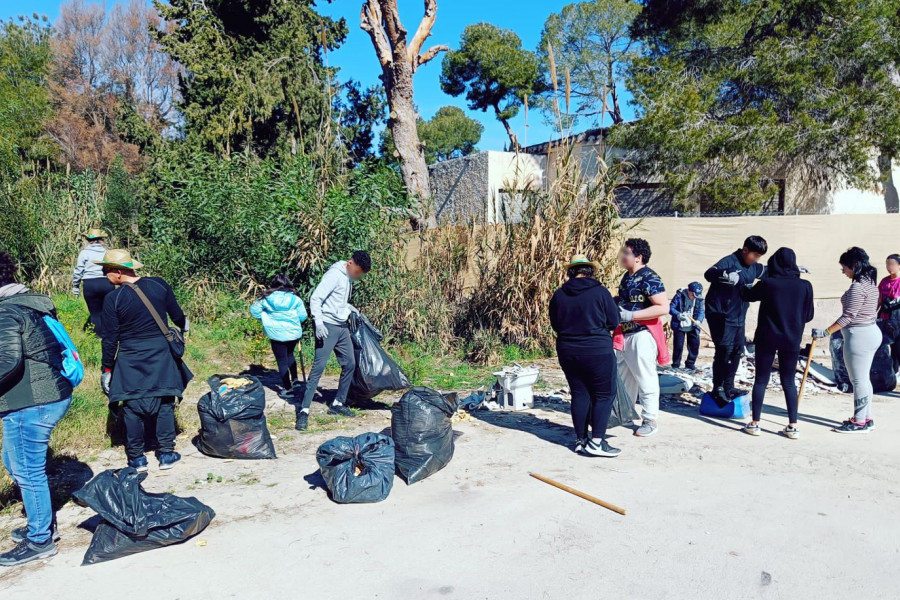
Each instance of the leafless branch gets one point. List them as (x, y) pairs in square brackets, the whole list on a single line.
[(430, 54), (423, 32), (370, 20)]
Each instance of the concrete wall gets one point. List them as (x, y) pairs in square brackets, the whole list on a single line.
[(483, 187)]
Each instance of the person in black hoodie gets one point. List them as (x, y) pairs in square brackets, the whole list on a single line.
[(583, 315), (786, 306)]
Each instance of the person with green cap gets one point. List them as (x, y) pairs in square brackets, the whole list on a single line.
[(584, 315), (88, 276)]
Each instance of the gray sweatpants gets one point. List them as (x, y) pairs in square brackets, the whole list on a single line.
[(637, 369), (860, 345), (337, 341)]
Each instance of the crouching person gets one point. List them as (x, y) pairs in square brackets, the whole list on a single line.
[(139, 369), (34, 397)]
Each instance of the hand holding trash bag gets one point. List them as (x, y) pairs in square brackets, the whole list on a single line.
[(375, 370)]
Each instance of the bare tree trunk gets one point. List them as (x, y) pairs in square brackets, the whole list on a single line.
[(399, 61), (616, 112), (513, 138)]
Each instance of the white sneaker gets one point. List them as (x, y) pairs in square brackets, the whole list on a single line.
[(601, 449), (791, 433)]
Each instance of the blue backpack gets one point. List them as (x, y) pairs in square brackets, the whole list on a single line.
[(72, 367)]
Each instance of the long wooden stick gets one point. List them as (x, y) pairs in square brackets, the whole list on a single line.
[(806, 371), (587, 497)]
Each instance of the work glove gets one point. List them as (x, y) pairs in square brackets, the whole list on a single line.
[(732, 278), (353, 309), (187, 327), (684, 316), (625, 316), (76, 291), (818, 334), (105, 380), (321, 330), (803, 269)]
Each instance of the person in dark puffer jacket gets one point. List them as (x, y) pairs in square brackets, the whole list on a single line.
[(34, 397)]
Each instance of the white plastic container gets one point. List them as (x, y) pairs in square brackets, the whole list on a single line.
[(517, 383)]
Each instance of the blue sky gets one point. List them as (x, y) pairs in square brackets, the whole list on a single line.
[(356, 58)]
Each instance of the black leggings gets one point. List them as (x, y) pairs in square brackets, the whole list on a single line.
[(149, 418), (95, 291), (729, 341), (592, 381), (287, 361), (787, 367)]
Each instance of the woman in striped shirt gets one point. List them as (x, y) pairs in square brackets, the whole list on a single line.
[(862, 337)]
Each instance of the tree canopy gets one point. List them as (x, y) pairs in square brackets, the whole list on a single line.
[(493, 70), (255, 73), (734, 95), (592, 40)]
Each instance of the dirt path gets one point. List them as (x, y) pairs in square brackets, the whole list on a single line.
[(712, 513)]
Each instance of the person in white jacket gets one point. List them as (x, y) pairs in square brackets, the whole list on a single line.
[(330, 308)]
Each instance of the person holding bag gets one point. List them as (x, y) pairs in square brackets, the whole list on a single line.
[(142, 366)]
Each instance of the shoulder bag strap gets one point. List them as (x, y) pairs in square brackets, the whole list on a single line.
[(153, 313)]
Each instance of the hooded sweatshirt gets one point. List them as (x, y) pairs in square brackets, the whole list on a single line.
[(583, 315), (30, 356), (786, 303), (330, 302), (726, 299)]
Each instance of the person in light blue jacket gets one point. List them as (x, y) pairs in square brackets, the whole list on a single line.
[(282, 313)]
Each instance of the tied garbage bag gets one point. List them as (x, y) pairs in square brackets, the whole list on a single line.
[(375, 370), (422, 432), (233, 421), (135, 520), (359, 469), (623, 411)]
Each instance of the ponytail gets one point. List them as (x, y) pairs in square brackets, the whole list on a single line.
[(857, 260)]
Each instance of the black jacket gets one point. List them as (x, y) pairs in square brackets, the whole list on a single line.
[(133, 345), (725, 299), (786, 303), (30, 356), (583, 314)]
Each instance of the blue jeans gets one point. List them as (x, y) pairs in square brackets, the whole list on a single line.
[(26, 438)]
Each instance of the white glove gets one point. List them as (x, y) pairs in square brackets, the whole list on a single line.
[(625, 316), (105, 380), (803, 269), (187, 326), (684, 316), (732, 278), (353, 309), (321, 330), (76, 291), (818, 334)]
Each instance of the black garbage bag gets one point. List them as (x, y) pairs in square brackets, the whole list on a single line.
[(233, 422), (375, 370), (359, 469), (882, 374), (623, 410), (422, 432), (135, 520)]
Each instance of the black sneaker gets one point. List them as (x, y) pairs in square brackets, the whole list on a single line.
[(302, 421), (21, 534), (340, 410), (601, 449), (139, 464), (167, 460), (737, 393), (870, 424), (286, 394), (851, 427), (27, 551), (721, 398), (579, 446)]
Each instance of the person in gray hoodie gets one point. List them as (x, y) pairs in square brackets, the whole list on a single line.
[(34, 397), (330, 307), (89, 276)]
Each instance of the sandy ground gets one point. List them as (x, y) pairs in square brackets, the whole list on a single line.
[(712, 513)]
